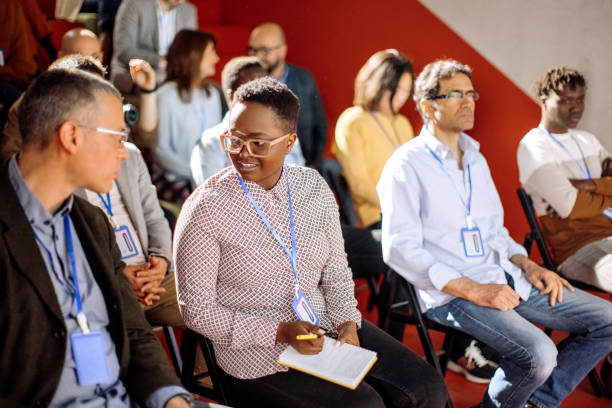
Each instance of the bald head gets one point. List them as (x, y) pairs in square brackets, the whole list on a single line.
[(270, 31), (267, 43), (81, 41)]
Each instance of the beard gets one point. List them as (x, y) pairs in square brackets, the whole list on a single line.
[(273, 66)]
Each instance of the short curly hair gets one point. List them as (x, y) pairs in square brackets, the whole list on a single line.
[(274, 94), (555, 79), (427, 84)]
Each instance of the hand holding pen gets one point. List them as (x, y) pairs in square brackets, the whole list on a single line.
[(311, 336)]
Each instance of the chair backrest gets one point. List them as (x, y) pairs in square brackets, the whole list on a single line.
[(190, 379), (535, 233), (331, 171)]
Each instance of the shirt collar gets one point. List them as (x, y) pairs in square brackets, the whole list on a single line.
[(467, 144), (36, 213), (278, 192), (285, 75)]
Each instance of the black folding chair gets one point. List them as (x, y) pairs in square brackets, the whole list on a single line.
[(173, 349), (535, 235), (409, 311), (192, 381)]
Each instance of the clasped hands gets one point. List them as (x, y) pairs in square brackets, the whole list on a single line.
[(503, 297), (287, 332), (145, 279)]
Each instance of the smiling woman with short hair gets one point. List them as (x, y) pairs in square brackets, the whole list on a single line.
[(260, 236)]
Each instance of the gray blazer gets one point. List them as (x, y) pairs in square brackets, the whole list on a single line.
[(136, 35), (140, 199)]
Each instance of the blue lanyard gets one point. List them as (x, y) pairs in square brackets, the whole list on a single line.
[(107, 203), (291, 255), (80, 317), (586, 173), (399, 141), (468, 205)]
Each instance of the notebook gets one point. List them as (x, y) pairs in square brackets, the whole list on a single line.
[(345, 365)]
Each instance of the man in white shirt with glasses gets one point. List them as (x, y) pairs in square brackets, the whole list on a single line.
[(443, 231)]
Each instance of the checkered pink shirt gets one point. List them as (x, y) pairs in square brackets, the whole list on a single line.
[(235, 283)]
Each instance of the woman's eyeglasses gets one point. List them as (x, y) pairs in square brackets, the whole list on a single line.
[(256, 147)]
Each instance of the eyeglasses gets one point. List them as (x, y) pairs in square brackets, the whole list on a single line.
[(256, 147), (262, 50), (457, 95), (123, 134)]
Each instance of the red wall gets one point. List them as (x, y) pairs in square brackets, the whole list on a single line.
[(333, 39)]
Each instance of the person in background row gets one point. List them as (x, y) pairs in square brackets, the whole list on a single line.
[(236, 285), (208, 156), (144, 29), (267, 43), (80, 49), (81, 41), (73, 331), (442, 230), (568, 174), (369, 132), (17, 62), (187, 104)]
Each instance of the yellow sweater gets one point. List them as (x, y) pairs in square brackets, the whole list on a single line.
[(362, 148)]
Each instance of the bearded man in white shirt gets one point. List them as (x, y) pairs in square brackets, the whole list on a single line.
[(443, 231)]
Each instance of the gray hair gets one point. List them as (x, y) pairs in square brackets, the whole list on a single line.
[(427, 84), (56, 96)]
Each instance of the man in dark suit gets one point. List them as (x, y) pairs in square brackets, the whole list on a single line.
[(72, 332), (267, 43)]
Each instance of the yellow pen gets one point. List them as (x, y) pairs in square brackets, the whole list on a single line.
[(310, 336)]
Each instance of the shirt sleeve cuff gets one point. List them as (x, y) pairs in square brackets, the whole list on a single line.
[(160, 397), (440, 275)]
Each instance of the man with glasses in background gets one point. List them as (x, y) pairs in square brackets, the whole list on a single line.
[(73, 333), (267, 43), (443, 231), (568, 174)]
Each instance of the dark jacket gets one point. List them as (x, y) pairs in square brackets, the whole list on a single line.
[(312, 125), (32, 330)]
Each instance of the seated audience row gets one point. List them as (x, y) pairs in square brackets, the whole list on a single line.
[(476, 279)]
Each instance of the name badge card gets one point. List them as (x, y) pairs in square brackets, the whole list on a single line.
[(125, 242), (472, 242), (608, 212), (90, 358), (304, 310)]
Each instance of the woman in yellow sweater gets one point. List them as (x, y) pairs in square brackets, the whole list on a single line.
[(368, 133)]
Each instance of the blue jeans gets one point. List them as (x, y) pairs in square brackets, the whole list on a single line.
[(532, 367)]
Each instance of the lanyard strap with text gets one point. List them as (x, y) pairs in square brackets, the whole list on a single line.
[(586, 173), (468, 204), (80, 317), (399, 141), (291, 255)]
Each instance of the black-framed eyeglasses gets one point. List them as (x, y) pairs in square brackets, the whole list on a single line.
[(256, 147), (252, 51), (457, 95)]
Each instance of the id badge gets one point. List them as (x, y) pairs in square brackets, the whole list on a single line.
[(304, 310), (472, 242), (125, 242), (608, 212), (90, 358)]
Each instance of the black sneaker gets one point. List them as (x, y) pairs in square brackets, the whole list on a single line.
[(473, 365)]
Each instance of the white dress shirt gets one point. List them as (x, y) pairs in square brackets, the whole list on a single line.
[(423, 217)]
